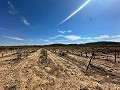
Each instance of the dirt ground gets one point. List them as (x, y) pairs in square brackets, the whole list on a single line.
[(58, 73)]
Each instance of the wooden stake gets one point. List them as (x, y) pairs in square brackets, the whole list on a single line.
[(86, 54), (90, 61), (115, 56), (81, 54)]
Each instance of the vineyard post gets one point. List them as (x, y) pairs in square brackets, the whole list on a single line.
[(90, 61), (115, 56), (46, 54), (67, 51), (86, 54), (81, 54), (2, 55)]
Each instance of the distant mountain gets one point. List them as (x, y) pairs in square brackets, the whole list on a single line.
[(103, 43)]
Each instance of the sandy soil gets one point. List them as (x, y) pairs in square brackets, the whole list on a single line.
[(54, 73)]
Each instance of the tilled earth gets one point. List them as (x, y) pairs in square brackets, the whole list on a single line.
[(54, 73)]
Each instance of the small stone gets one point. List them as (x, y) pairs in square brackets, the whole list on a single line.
[(107, 76)]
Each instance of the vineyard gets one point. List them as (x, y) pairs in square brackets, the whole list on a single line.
[(60, 67)]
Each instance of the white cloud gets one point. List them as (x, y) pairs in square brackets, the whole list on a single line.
[(117, 36), (45, 41), (65, 31), (14, 38), (11, 43), (87, 38), (25, 21), (69, 31), (102, 37), (115, 39), (62, 32), (108, 38), (72, 37), (40, 39), (55, 37), (12, 10), (8, 30)]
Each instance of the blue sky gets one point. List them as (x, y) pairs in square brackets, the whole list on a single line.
[(39, 22)]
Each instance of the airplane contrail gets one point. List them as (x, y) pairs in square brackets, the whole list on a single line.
[(83, 5)]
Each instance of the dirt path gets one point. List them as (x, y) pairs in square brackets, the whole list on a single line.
[(17, 75), (25, 70), (73, 79), (65, 64)]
